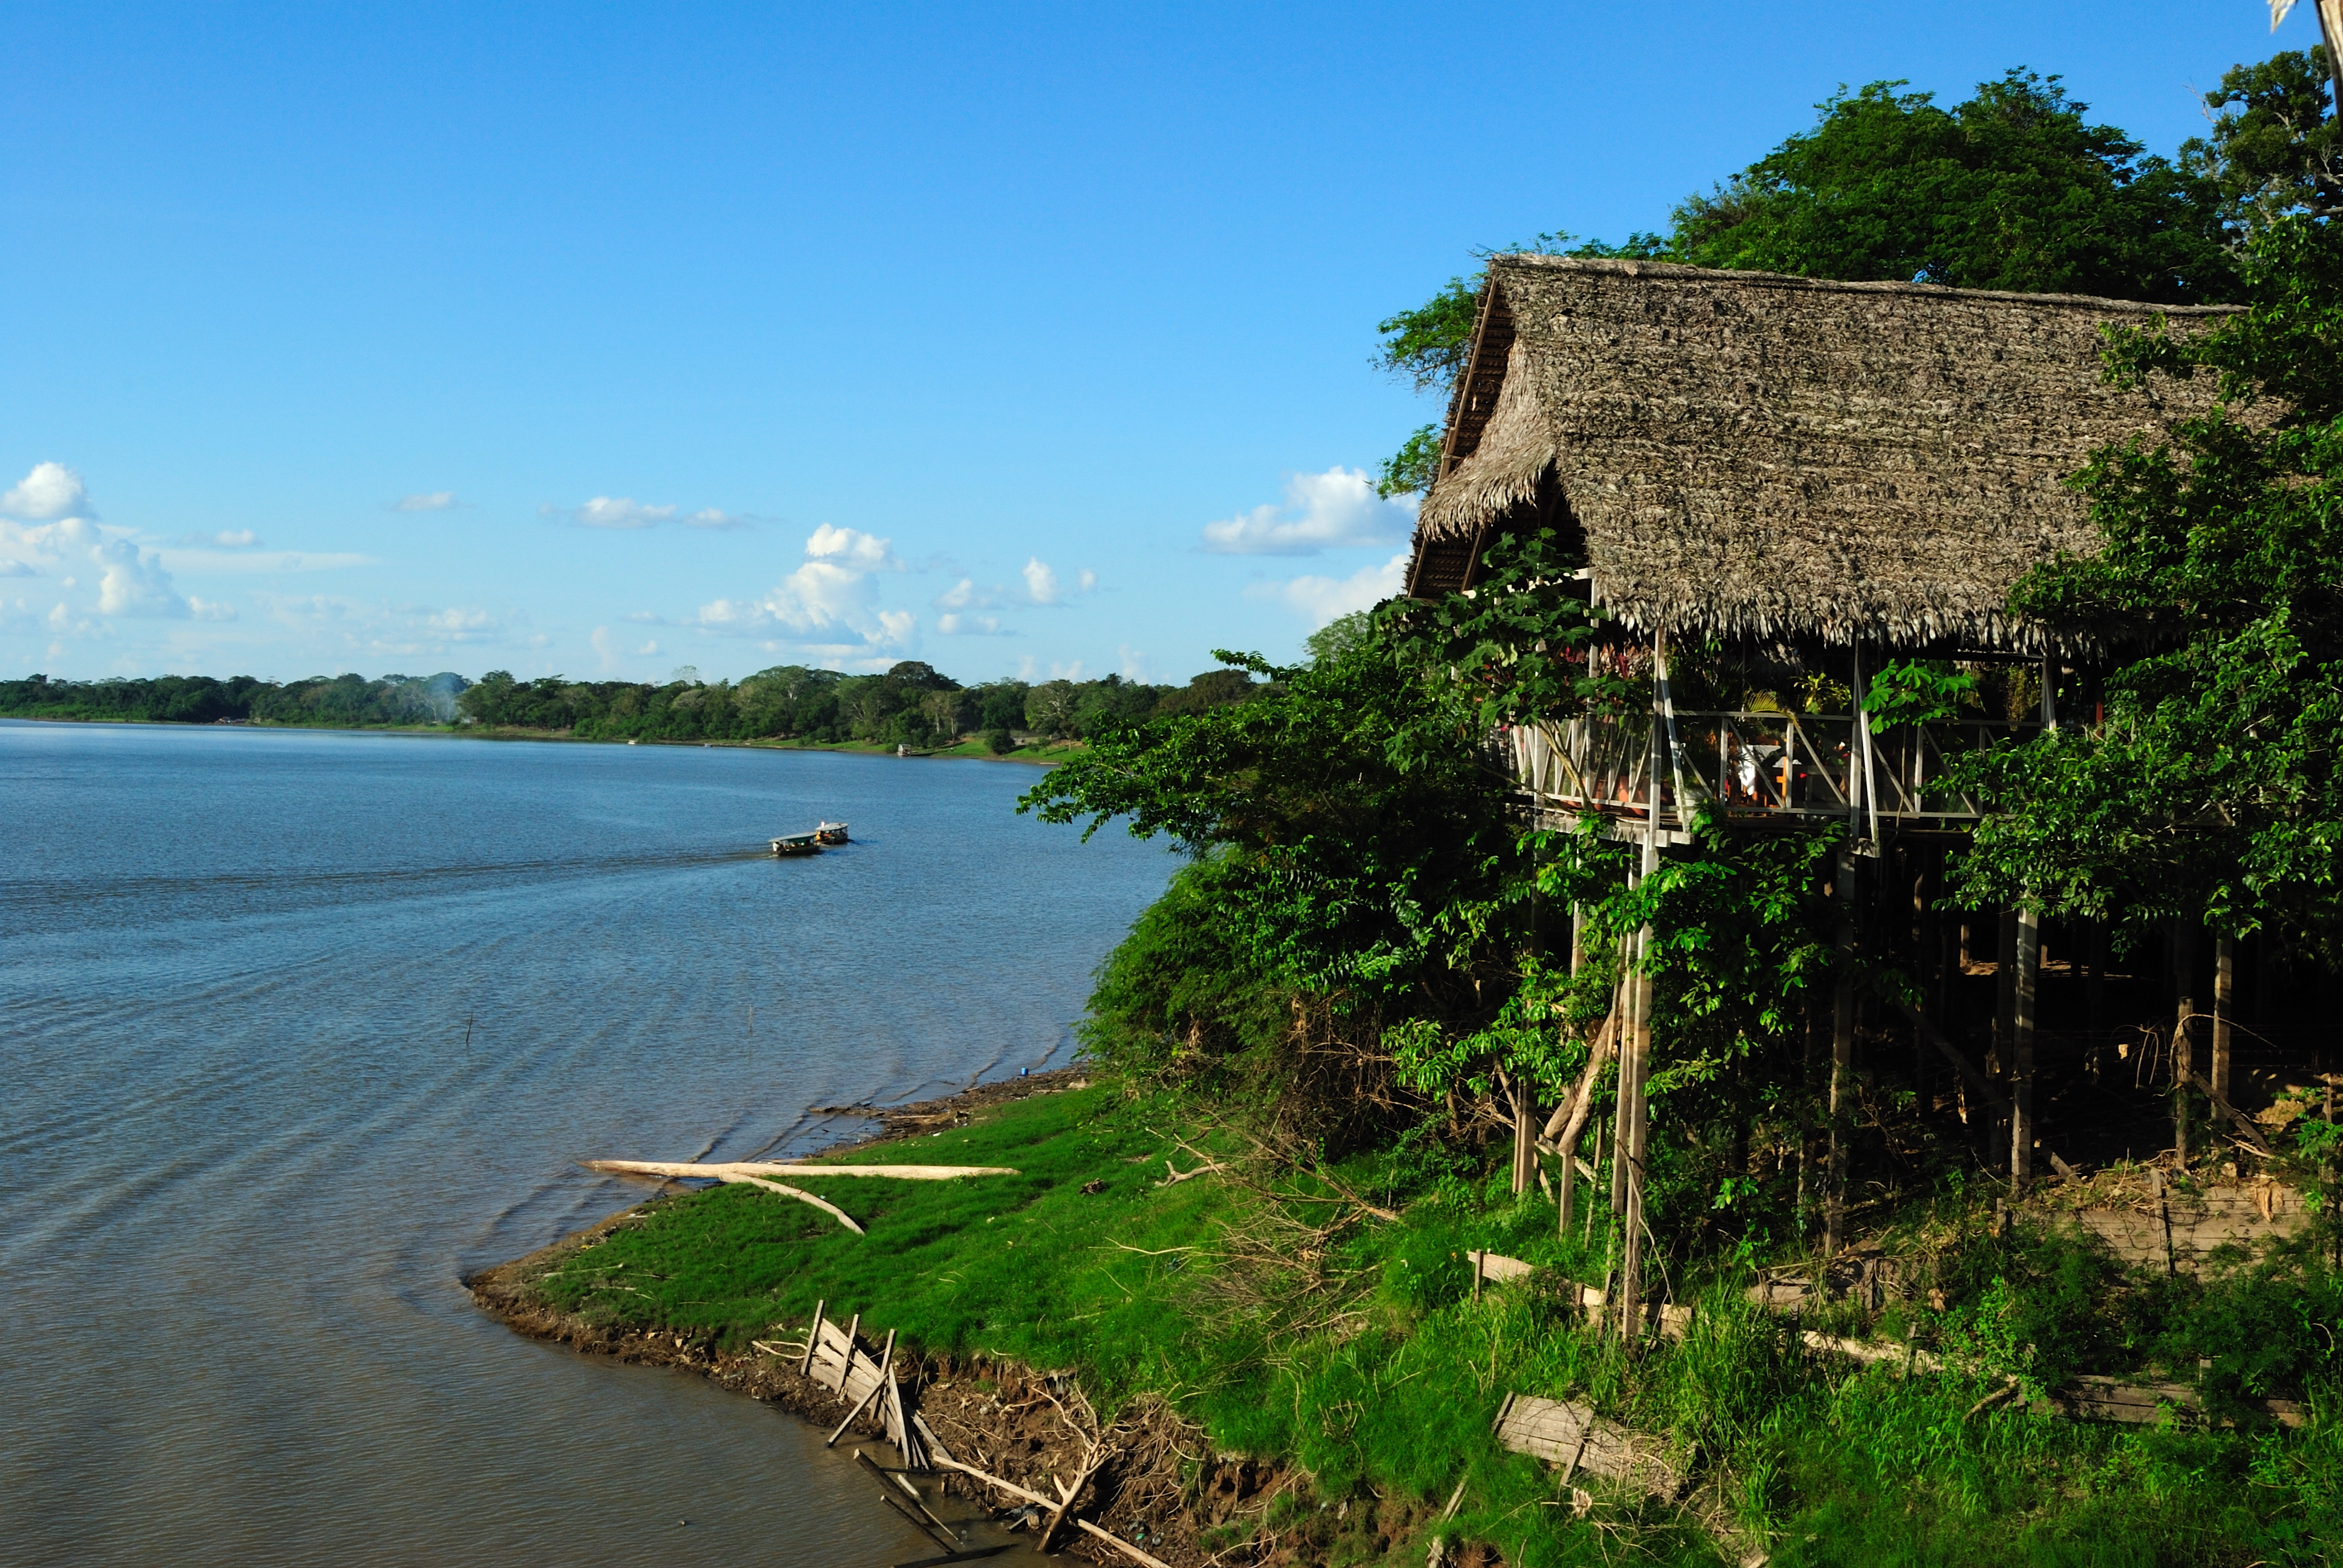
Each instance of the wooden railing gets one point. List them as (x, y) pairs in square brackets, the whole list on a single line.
[(1752, 763)]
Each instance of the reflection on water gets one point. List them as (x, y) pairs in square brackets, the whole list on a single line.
[(297, 1028)]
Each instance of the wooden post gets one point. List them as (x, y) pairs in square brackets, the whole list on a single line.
[(1924, 951), (1524, 1136), (2184, 1042), (813, 1337), (2225, 1008), (2099, 982), (1842, 1075), (1635, 1057), (2021, 1064)]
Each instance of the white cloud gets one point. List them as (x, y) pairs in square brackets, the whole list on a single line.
[(50, 490), (426, 501), (852, 547), (216, 560), (207, 610), (130, 582), (626, 512), (830, 600), (1332, 510), (957, 623), (619, 512), (1042, 586), (1322, 599)]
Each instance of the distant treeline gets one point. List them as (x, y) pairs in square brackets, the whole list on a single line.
[(911, 704), (342, 701)]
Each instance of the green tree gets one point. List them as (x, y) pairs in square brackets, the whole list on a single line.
[(2212, 787), (2012, 189), (2276, 147)]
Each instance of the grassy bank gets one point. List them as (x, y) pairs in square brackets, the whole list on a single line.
[(1291, 1325)]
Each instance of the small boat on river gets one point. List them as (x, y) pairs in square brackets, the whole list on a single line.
[(798, 844), (830, 832)]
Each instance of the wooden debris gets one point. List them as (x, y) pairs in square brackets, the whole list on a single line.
[(1010, 1487), (2009, 1390), (886, 1479), (886, 1363), (1910, 1356), (1570, 1434)]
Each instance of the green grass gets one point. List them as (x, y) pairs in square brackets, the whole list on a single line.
[(1844, 1466)]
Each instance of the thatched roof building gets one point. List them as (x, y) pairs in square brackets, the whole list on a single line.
[(1759, 456)]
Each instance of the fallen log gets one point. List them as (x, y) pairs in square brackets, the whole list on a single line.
[(827, 1206), (724, 1171)]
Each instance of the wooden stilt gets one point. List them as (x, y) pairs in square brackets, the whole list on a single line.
[(1841, 1073), (2184, 1027), (813, 1337), (2021, 1063), (2225, 1008)]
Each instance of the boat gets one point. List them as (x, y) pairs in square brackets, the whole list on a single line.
[(830, 832), (798, 844)]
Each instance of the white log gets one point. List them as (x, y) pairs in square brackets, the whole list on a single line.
[(767, 1168)]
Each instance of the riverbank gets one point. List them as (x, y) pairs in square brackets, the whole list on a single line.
[(1023, 1422), (1302, 1369)]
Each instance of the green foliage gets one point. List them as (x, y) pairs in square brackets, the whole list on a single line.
[(2012, 189), (2211, 787), (1411, 471), (1918, 691), (1428, 345), (2277, 148), (1520, 649)]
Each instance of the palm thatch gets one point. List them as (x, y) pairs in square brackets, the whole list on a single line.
[(1756, 456)]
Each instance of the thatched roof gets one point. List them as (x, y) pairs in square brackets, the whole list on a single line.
[(1760, 456)]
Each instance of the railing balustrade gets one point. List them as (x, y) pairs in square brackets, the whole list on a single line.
[(1749, 762)]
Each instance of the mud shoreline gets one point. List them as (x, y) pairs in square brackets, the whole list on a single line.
[(1020, 1424)]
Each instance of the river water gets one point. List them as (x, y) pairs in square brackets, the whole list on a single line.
[(298, 1028)]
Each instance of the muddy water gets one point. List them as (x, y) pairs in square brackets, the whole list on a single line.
[(296, 1029)]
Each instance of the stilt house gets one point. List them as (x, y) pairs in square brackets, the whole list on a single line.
[(1823, 475)]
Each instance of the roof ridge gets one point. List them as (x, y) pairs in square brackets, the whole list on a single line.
[(1630, 267)]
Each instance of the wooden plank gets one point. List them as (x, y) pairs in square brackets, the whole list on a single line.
[(1492, 1266), (878, 1382), (1563, 1432), (813, 1337)]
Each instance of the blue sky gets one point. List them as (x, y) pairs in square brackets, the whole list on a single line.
[(601, 341)]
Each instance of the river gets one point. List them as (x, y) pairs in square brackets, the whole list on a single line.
[(298, 1028)]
